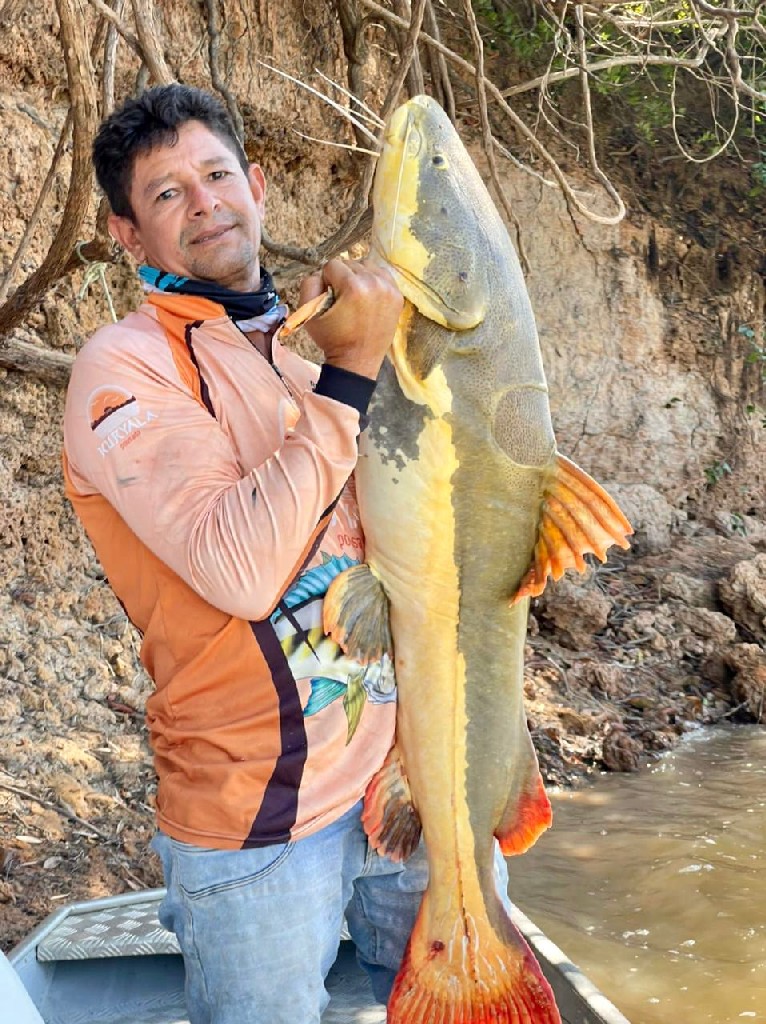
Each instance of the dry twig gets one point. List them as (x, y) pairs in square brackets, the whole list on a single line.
[(82, 91), (59, 808)]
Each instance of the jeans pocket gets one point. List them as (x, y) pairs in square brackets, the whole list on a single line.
[(201, 872)]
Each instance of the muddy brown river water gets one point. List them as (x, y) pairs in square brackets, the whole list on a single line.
[(655, 883)]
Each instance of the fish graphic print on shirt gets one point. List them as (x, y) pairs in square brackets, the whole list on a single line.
[(322, 672)]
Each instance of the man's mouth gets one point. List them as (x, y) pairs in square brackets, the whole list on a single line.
[(212, 235)]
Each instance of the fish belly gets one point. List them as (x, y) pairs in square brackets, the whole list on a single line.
[(464, 952)]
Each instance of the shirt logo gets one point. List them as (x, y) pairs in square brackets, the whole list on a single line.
[(116, 417)]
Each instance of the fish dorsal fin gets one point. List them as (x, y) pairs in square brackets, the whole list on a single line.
[(578, 517)]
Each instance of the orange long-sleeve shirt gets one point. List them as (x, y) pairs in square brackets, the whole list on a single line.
[(216, 489)]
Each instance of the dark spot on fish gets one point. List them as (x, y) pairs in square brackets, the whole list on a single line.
[(463, 275), (437, 946), (254, 495), (444, 210), (396, 423)]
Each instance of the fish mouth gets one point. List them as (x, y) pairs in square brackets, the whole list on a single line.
[(426, 299)]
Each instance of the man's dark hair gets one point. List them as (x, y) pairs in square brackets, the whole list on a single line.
[(153, 119)]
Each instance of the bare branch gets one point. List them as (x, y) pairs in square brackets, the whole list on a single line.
[(214, 40), (34, 219), (518, 123), (326, 99), (486, 128), (110, 56), (47, 184), (439, 70), (18, 353), (414, 74), (591, 136), (148, 39), (82, 92), (629, 60), (351, 25), (409, 49), (112, 16)]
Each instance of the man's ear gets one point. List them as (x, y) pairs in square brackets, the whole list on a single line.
[(124, 231), (258, 186)]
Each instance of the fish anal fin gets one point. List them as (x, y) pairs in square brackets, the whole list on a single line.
[(470, 979), (355, 614), (389, 817), (526, 818), (578, 517)]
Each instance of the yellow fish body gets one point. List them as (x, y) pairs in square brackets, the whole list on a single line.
[(466, 508)]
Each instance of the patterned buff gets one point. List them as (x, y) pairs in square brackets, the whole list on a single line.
[(250, 311)]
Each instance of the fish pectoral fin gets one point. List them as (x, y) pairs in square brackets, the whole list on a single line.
[(578, 517), (389, 817), (355, 614)]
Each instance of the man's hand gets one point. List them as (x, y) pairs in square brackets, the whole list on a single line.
[(356, 332)]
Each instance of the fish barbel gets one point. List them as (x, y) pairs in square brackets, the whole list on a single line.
[(467, 508)]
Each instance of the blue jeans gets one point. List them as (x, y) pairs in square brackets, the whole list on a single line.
[(260, 929)]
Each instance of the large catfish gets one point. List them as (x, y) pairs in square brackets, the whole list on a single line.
[(467, 508)]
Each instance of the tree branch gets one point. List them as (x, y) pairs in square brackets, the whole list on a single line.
[(112, 16), (214, 43), (17, 353), (84, 104), (150, 48)]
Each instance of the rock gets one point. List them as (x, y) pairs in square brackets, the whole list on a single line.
[(743, 593), (694, 592), (577, 611), (650, 515), (714, 669), (733, 523), (709, 625), (748, 685), (620, 752), (610, 679)]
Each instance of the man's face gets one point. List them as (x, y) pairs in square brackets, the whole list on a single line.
[(197, 214)]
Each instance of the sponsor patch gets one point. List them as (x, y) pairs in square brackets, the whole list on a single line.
[(116, 417)]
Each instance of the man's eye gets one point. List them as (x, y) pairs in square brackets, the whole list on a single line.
[(164, 196), (217, 175)]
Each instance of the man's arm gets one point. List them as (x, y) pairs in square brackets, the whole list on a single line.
[(238, 540)]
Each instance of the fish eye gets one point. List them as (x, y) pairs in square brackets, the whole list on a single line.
[(438, 160)]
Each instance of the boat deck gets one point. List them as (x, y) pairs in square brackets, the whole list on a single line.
[(109, 961)]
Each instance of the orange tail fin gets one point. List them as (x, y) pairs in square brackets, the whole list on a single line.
[(470, 980)]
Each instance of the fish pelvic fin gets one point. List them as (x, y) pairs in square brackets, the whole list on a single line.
[(355, 614), (526, 819), (578, 517), (470, 977), (389, 817)]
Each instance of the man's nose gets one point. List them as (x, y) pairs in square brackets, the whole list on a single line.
[(202, 200)]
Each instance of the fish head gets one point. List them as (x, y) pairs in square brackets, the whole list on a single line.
[(428, 203)]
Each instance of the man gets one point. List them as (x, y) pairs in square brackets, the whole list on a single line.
[(211, 468)]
